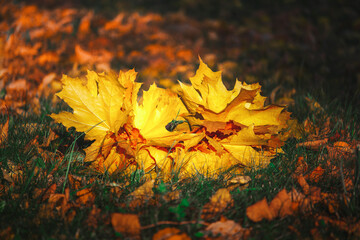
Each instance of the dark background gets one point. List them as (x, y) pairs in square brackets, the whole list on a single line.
[(314, 45)]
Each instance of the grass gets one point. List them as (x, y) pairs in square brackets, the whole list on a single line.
[(28, 217)]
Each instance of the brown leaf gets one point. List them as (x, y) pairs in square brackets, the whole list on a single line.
[(304, 185), (170, 234), (85, 196), (259, 211), (281, 205), (74, 181), (142, 194), (316, 174), (45, 192), (225, 230), (345, 224), (47, 140), (218, 203), (239, 181), (48, 57), (99, 56), (314, 145), (213, 126), (127, 224), (84, 26), (4, 128), (301, 166)]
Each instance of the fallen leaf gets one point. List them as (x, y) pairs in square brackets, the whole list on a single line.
[(170, 234), (85, 196), (350, 226), (304, 185), (95, 57), (4, 128), (281, 205), (316, 174), (218, 203), (142, 194), (127, 224), (145, 191), (224, 230), (259, 211), (315, 145), (239, 181), (301, 166), (84, 26)]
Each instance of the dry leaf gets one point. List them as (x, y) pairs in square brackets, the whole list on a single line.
[(259, 211), (304, 185), (343, 146), (127, 224), (170, 234), (101, 56), (281, 205), (315, 145), (142, 194), (145, 191), (85, 196), (239, 181), (316, 174), (218, 203), (4, 128), (225, 229)]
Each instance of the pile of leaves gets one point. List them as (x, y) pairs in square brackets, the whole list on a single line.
[(205, 130)]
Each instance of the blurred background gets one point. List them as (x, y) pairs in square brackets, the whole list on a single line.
[(292, 48)]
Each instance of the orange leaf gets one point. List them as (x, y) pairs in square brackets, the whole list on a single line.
[(218, 203), (48, 57), (304, 185), (281, 205), (301, 166), (85, 196), (127, 224), (315, 145), (49, 191), (225, 229), (4, 128), (84, 26), (170, 233), (344, 146), (316, 174), (259, 211), (99, 56)]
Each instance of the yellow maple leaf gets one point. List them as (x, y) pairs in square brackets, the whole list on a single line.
[(208, 96), (207, 90), (209, 163), (157, 134), (105, 107), (158, 108), (101, 105), (212, 106), (97, 104)]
